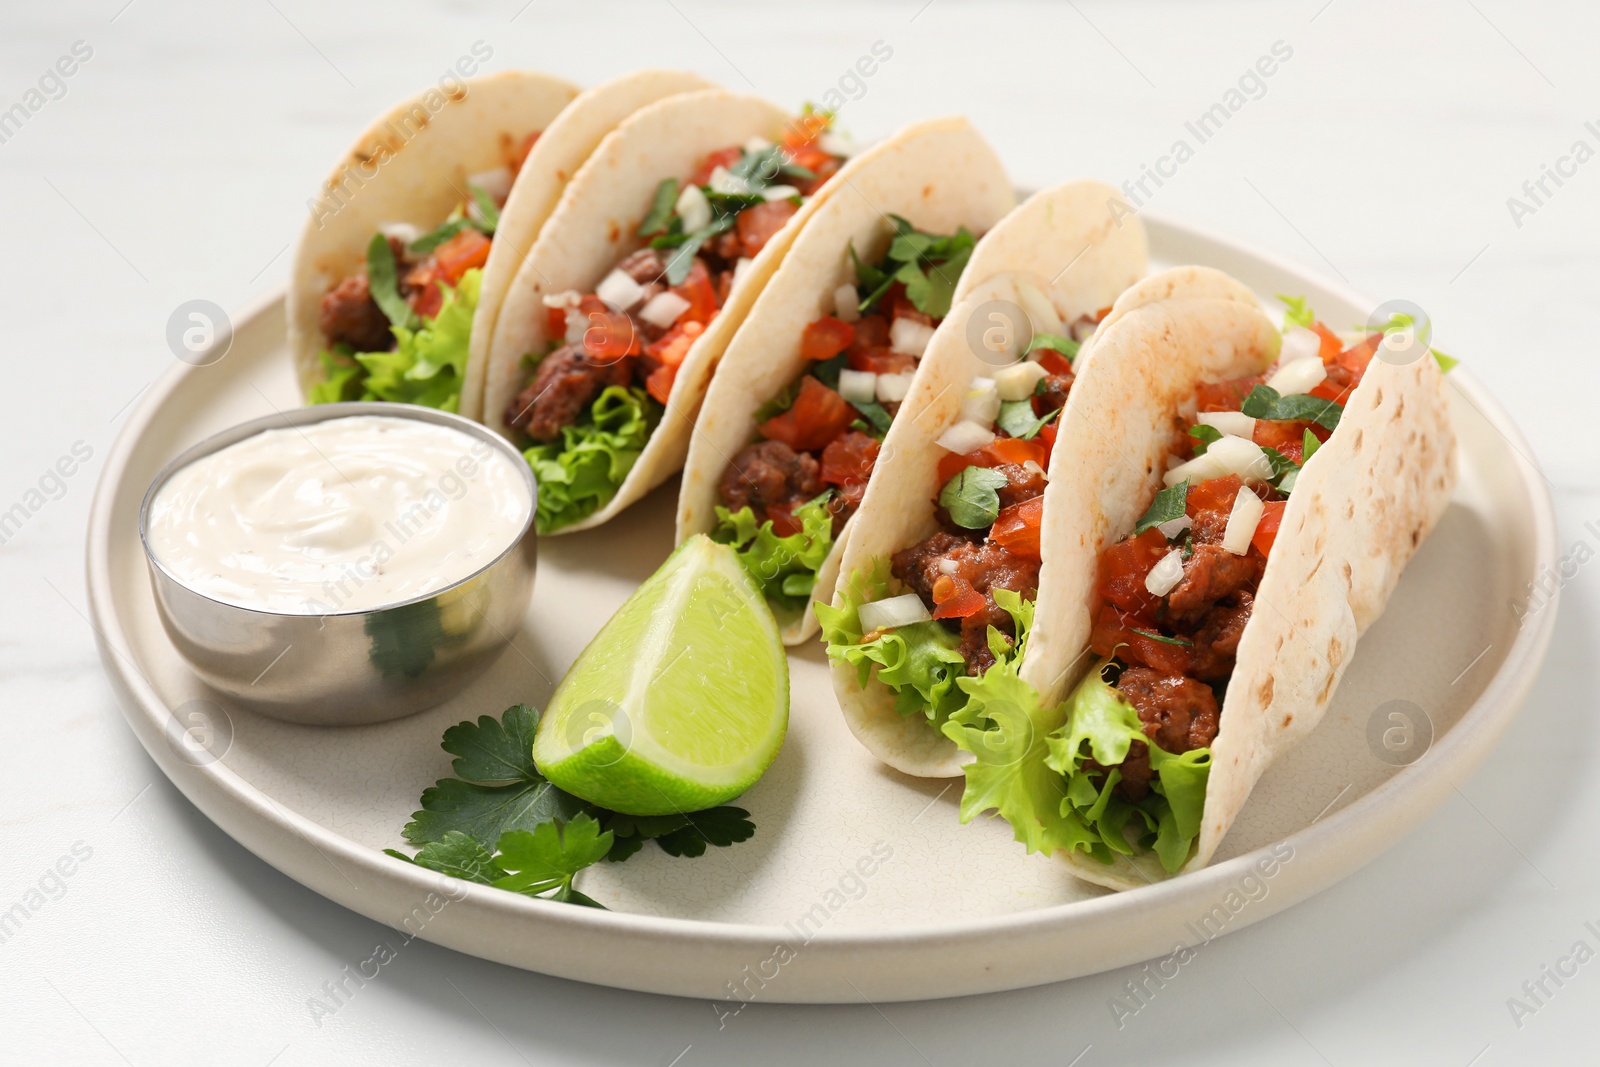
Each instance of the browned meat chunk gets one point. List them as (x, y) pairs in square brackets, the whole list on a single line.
[(644, 266), (986, 567), (562, 387), (769, 475), (1212, 574), (1216, 642), (349, 316), (1022, 483), (1052, 392), (1178, 713)]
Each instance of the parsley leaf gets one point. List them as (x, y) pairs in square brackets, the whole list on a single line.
[(876, 414), (484, 812), (1204, 435), (1281, 464), (1264, 402), (458, 855), (551, 855), (494, 751), (1171, 503), (442, 233), (826, 372), (1299, 313), (660, 215), (383, 279), (721, 827), (1308, 446), (404, 638), (757, 169), (971, 498), (928, 265), (1017, 419), (1056, 343)]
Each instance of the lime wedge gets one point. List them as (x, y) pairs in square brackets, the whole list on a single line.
[(681, 702)]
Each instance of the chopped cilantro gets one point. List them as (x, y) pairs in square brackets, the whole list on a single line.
[(875, 414), (488, 210), (1056, 343), (1171, 503), (1264, 402), (1180, 642), (971, 498), (1308, 446), (383, 278), (1017, 419), (927, 265), (1299, 313), (1203, 436), (660, 215)]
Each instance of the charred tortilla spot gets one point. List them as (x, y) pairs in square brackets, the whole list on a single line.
[(615, 232), (1264, 691), (1348, 579), (1335, 652), (1287, 719)]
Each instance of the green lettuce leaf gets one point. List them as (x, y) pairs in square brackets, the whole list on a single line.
[(580, 473), (919, 663), (785, 568), (427, 365), (1101, 725)]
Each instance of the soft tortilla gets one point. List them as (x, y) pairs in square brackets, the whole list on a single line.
[(1091, 262), (411, 165), (1360, 508), (594, 226), (939, 175), (555, 159)]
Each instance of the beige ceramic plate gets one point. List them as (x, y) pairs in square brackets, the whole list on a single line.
[(859, 882)]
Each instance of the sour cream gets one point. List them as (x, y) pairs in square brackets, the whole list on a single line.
[(344, 515)]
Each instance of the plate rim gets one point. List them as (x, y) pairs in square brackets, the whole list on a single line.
[(231, 802)]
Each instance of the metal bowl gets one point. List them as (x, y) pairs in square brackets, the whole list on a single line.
[(347, 668)]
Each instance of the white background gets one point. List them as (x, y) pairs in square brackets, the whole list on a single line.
[(177, 165)]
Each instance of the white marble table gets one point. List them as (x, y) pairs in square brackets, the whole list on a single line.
[(174, 163)]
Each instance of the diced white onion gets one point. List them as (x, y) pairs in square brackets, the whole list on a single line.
[(403, 232), (981, 404), (1228, 455), (1032, 467), (497, 183), (837, 144), (1016, 382), (779, 192), (663, 309), (1242, 522), (693, 208), (910, 336), (1165, 574), (1041, 313), (757, 144), (1173, 527), (948, 566), (1301, 376), (566, 298), (965, 436), (577, 326), (902, 610), (741, 267), (1299, 343), (858, 386), (893, 388), (619, 291), (723, 181), (1236, 423), (846, 304)]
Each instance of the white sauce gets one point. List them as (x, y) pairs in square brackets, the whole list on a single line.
[(344, 515)]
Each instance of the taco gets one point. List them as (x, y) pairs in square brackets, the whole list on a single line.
[(400, 273), (1241, 505), (794, 419), (619, 314), (949, 565)]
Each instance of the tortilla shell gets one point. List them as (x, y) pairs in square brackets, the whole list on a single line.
[(411, 165), (1360, 508), (555, 159), (939, 175), (593, 228)]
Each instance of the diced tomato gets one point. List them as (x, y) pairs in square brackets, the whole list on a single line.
[(1226, 396), (817, 416), (1001, 450), (881, 360), (1329, 389), (722, 157), (1267, 529), (610, 335), (519, 155), (800, 140), (784, 522), (899, 306), (758, 224), (461, 253), (849, 458), (1115, 633), (1047, 434), (1123, 568), (1355, 358), (1286, 436), (1215, 495), (1055, 363), (1016, 529), (696, 288), (954, 598), (675, 343), (826, 338), (872, 331), (1331, 345), (423, 280), (824, 170), (659, 383), (555, 322)]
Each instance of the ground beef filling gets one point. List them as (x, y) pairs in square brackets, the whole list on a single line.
[(1178, 714), (566, 382), (771, 479), (987, 567)]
